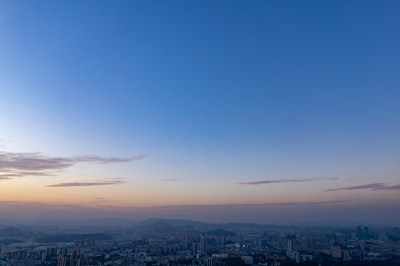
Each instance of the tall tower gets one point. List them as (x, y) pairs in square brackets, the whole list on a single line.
[(290, 246), (289, 249)]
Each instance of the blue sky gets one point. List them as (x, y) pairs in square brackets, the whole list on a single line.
[(215, 93)]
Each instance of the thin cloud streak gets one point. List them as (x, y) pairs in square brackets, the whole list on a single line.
[(373, 186), (86, 184), (262, 182), (23, 174), (98, 200)]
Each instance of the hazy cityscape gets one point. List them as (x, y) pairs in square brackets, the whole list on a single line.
[(185, 242), (199, 132)]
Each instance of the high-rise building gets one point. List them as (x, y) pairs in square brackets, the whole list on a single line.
[(76, 257), (366, 232), (203, 245), (62, 258), (289, 249), (359, 232), (290, 246), (194, 248)]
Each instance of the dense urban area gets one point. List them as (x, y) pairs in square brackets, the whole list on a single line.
[(183, 242)]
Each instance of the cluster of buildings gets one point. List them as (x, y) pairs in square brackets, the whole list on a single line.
[(189, 246)]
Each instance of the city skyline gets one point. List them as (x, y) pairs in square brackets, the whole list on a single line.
[(262, 111)]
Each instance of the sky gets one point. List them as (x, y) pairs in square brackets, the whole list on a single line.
[(223, 111)]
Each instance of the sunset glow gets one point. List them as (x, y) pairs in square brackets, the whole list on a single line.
[(242, 111)]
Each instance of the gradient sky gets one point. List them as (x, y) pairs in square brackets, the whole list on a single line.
[(129, 108)]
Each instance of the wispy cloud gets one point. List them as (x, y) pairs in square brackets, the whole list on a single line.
[(373, 186), (98, 200), (262, 182), (22, 174), (37, 164), (87, 184), (170, 180)]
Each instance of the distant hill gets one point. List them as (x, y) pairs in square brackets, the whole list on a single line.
[(155, 225), (201, 226), (152, 225), (71, 237), (11, 232), (220, 232), (106, 222), (184, 224), (8, 241), (174, 222)]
